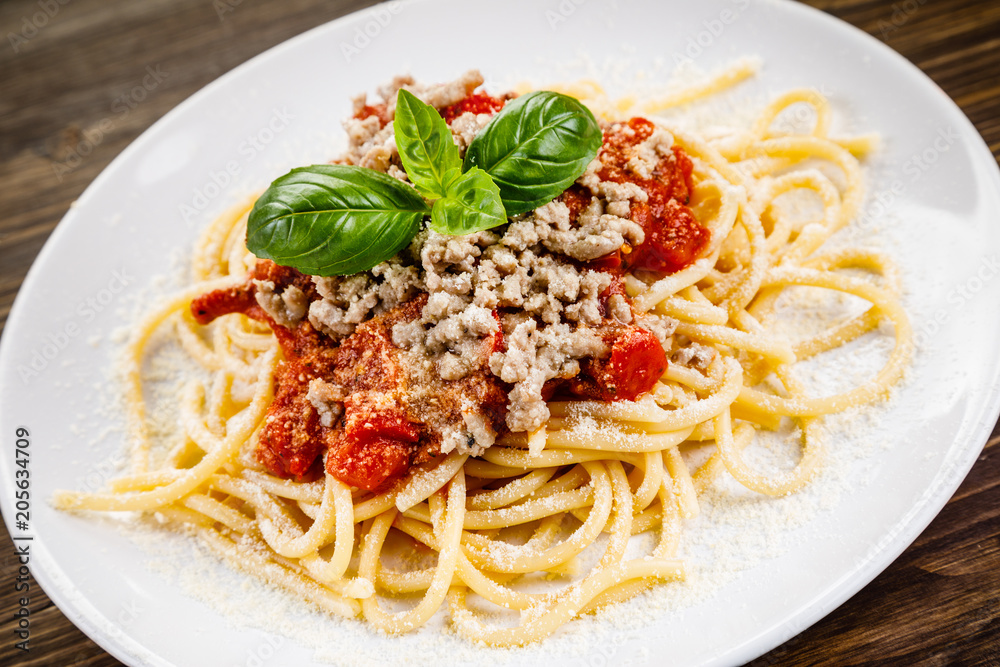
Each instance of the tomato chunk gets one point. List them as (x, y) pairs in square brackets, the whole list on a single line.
[(372, 464), (243, 299), (380, 111), (636, 363), (374, 449), (211, 305), (476, 103), (673, 240), (673, 236)]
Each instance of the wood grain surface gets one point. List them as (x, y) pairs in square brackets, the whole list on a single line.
[(61, 123)]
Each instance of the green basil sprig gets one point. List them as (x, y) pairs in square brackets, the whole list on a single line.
[(466, 202), (535, 148), (426, 149), (332, 219), (339, 219), (472, 205)]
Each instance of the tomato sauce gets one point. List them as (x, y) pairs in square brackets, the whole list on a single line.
[(374, 448), (380, 434), (576, 198), (635, 364), (673, 236), (476, 103), (293, 438), (380, 111)]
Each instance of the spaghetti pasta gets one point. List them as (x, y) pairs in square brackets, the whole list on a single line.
[(534, 502)]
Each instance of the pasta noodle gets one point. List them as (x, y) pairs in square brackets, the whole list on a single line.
[(535, 502)]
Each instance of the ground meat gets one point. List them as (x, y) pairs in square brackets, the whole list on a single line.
[(373, 371), (271, 293), (648, 154), (661, 326), (370, 144), (448, 261), (514, 275), (349, 300), (327, 399), (619, 309), (458, 338), (465, 127), (371, 139), (694, 355), (535, 356), (594, 233), (286, 307), (444, 94)]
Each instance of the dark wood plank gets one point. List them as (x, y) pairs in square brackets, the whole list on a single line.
[(938, 604)]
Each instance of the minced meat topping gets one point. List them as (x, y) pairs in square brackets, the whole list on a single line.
[(533, 271), (523, 310)]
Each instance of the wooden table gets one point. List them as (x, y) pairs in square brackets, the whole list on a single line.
[(938, 604)]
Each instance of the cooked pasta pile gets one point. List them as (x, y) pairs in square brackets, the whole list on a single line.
[(513, 526)]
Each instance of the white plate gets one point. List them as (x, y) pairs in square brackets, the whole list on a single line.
[(940, 195)]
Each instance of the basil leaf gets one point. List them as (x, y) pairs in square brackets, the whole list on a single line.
[(425, 145), (472, 204), (535, 148), (332, 219)]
